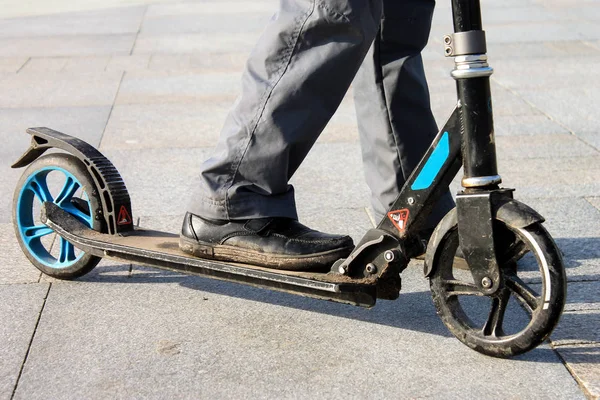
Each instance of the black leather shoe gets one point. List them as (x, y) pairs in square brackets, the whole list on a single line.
[(280, 243)]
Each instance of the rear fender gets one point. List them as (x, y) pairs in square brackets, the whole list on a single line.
[(113, 194)]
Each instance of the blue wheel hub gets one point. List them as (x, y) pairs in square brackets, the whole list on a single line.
[(36, 191)]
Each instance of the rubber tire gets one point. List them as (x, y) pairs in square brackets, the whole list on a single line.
[(543, 321), (73, 165)]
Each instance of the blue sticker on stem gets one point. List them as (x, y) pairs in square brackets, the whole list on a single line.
[(434, 164)]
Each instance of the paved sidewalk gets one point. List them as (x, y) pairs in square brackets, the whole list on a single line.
[(150, 84)]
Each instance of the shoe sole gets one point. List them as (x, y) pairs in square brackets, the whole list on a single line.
[(306, 262)]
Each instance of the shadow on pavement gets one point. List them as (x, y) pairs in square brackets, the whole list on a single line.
[(580, 327), (581, 354), (576, 249), (412, 311)]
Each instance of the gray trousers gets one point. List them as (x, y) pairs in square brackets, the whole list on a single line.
[(294, 81)]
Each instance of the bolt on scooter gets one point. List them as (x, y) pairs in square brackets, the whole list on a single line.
[(502, 296)]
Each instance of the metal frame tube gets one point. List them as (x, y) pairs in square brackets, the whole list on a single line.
[(473, 89), (466, 15)]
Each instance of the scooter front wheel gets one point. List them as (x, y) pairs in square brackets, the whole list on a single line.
[(523, 313), (63, 180)]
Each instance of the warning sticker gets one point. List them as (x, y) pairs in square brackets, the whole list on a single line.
[(124, 218), (399, 218)]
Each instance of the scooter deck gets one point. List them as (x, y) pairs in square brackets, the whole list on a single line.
[(161, 250)]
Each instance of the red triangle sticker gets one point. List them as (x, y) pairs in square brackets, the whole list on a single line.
[(124, 217), (399, 218)]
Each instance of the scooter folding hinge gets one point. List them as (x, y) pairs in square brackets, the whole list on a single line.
[(476, 238), (377, 252)]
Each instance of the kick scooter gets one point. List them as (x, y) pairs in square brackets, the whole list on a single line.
[(72, 208)]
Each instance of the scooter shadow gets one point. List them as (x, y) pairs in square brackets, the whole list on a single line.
[(578, 250), (413, 310)]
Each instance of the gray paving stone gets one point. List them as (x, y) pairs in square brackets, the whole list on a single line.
[(509, 103), (220, 9), (87, 64), (574, 225), (433, 52), (438, 71), (164, 223), (583, 361), (169, 62), (111, 21), (130, 332), (233, 62), (595, 201), (520, 14), (589, 30), (573, 217), (520, 52), (194, 42), (342, 132), (544, 178), (583, 296), (8, 181), (86, 123), (135, 126), (11, 64), (36, 65), (157, 178), (59, 89), (72, 45), (526, 125), (239, 22), (16, 268), (551, 166), (128, 63), (177, 336), (443, 99), (595, 44), (108, 270), (577, 327), (204, 62), (531, 32), (591, 138), (145, 87), (546, 74), (589, 11), (331, 176), (159, 181), (538, 31), (21, 305), (573, 107), (542, 146)]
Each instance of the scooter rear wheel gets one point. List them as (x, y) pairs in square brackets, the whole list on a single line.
[(523, 313), (63, 180)]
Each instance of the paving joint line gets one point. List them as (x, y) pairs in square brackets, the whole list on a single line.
[(587, 198), (24, 64), (579, 382), (138, 30), (572, 132), (111, 109), (572, 279), (20, 283), (37, 323), (590, 44)]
